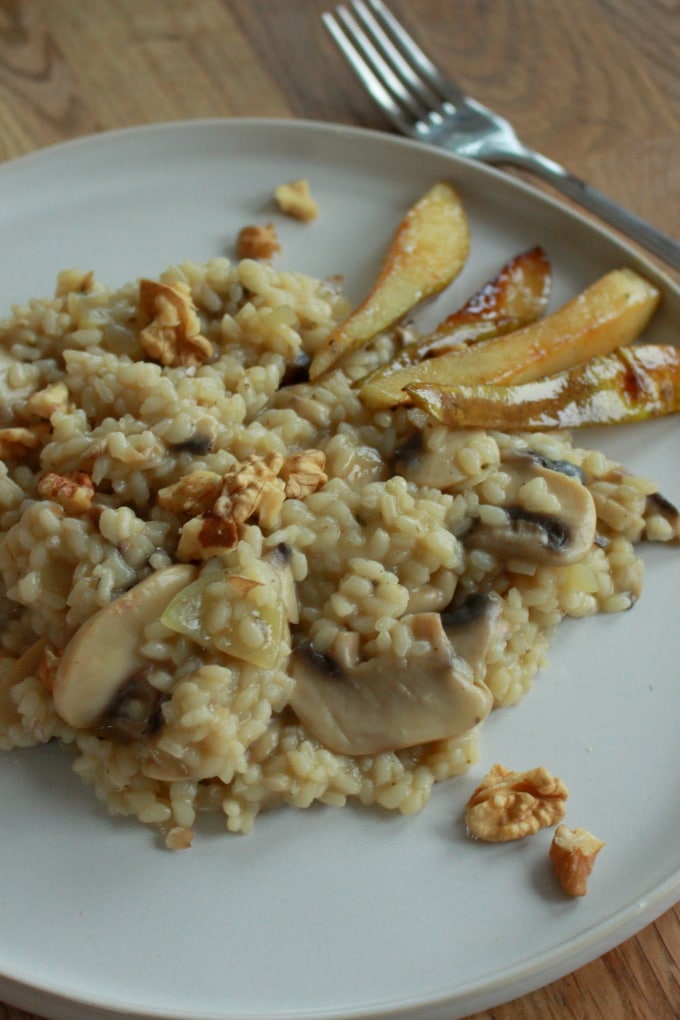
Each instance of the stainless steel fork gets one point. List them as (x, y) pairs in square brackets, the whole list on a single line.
[(425, 105)]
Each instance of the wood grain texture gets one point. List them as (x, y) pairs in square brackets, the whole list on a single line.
[(591, 83)]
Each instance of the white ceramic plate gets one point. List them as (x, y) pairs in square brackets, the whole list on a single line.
[(328, 913)]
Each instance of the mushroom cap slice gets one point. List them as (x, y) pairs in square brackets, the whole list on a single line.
[(437, 468), (470, 626), (279, 558), (104, 654), (389, 702), (559, 538)]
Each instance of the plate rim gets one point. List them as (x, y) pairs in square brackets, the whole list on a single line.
[(571, 211)]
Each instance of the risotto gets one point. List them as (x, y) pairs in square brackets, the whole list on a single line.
[(225, 589)]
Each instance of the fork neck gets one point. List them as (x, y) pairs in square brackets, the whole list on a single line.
[(657, 242)]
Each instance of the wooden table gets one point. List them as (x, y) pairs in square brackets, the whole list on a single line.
[(592, 83)]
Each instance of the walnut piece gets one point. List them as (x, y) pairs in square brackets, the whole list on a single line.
[(573, 853), (170, 325), (193, 494), (253, 487), (44, 403), (17, 441), (511, 805), (257, 242), (73, 491), (295, 199), (303, 473)]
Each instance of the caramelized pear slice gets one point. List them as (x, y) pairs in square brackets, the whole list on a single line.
[(427, 252), (630, 385), (515, 297), (611, 313)]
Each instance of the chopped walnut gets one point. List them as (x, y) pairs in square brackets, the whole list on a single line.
[(193, 494), (17, 441), (573, 853), (511, 805), (206, 536), (73, 491), (171, 326), (253, 487), (295, 199), (44, 403), (303, 473), (257, 242)]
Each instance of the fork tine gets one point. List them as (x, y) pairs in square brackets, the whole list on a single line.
[(445, 87), (379, 65), (396, 60), (429, 96), (370, 81)]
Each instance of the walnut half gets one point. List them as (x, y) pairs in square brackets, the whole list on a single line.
[(170, 326), (573, 853), (303, 473), (511, 805), (252, 487)]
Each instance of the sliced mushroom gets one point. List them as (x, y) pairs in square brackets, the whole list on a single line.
[(296, 371), (434, 467), (388, 702), (347, 649), (469, 627), (557, 538), (135, 712), (565, 467), (104, 655), (280, 559), (199, 444)]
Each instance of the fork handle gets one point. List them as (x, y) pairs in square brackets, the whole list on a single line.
[(629, 223)]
